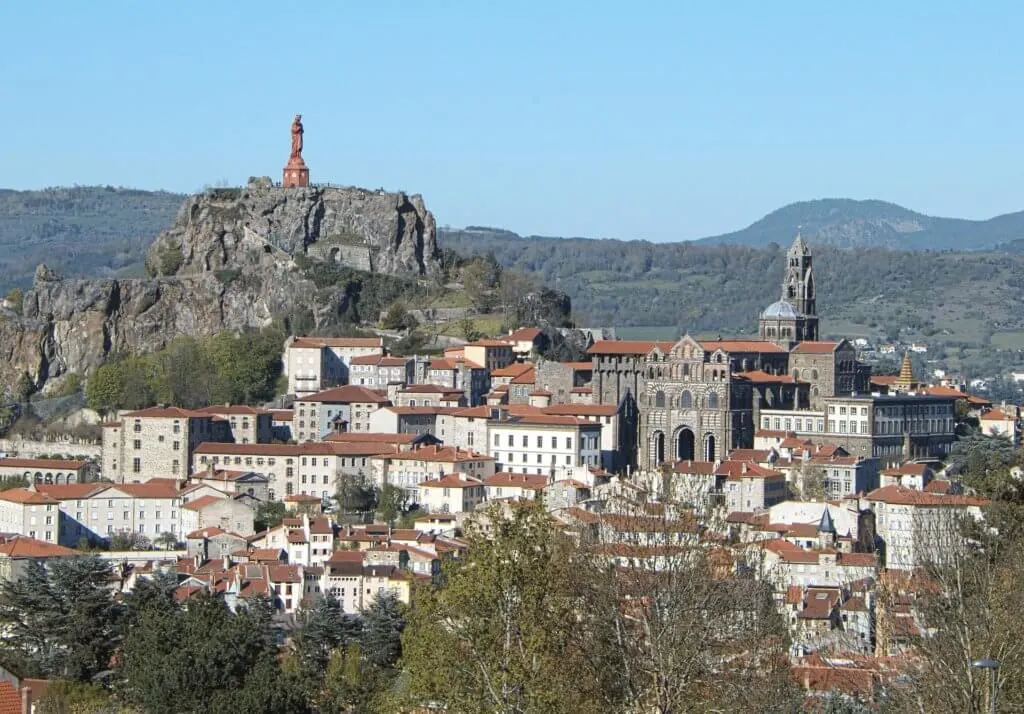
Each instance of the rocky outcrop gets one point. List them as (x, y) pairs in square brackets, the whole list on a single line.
[(234, 259), (382, 232)]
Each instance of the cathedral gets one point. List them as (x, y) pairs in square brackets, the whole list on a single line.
[(699, 399)]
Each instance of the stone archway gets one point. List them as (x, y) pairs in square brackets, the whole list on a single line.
[(657, 448), (709, 447), (685, 444)]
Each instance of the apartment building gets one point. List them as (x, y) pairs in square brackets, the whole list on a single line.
[(154, 443), (97, 511), (314, 364), (313, 468), (380, 371), (246, 425), (408, 469), (749, 487), (544, 444), (30, 513), (452, 493), (339, 409)]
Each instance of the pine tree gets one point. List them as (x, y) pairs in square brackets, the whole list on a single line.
[(383, 623)]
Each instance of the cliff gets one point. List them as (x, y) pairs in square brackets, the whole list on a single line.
[(234, 259)]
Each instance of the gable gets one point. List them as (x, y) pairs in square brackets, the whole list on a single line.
[(688, 348)]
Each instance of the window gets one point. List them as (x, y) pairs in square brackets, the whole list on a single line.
[(176, 446), (136, 465), (510, 439), (125, 516), (713, 400), (137, 427), (568, 442), (177, 428), (540, 442), (659, 398), (686, 400), (137, 444), (496, 440)]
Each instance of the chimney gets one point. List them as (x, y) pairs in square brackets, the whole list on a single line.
[(743, 467), (226, 562)]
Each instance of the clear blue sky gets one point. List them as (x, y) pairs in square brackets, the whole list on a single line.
[(660, 120)]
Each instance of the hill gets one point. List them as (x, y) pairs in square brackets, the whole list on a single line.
[(846, 223), (965, 300), (87, 231)]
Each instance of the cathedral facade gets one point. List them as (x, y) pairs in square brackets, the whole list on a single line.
[(699, 399)]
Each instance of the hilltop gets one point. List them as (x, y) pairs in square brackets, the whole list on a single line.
[(846, 223)]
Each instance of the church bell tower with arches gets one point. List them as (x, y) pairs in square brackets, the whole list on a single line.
[(794, 318)]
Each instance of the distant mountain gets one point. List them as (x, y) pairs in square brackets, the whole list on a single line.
[(87, 231), (846, 223)]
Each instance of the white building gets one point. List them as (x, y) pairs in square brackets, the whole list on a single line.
[(380, 371), (346, 408), (514, 486), (30, 513), (313, 364), (453, 493), (543, 444), (408, 469), (918, 527), (749, 487)]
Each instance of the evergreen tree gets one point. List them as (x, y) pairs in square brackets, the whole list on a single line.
[(383, 623)]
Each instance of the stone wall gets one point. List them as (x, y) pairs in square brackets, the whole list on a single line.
[(33, 449)]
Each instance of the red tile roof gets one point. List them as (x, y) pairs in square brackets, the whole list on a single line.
[(429, 389), (898, 495), (70, 491), (582, 409), (154, 488), (735, 470), (202, 502), (815, 348), (452, 481), (307, 342), (371, 437), (706, 468), (527, 377), (347, 394), (627, 347), (512, 370), (233, 409), (25, 547), (513, 480), (166, 413), (61, 464), (758, 376), (24, 495), (525, 333), (741, 346), (447, 454)]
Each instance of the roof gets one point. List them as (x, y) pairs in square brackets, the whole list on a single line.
[(815, 348), (781, 309), (513, 480), (223, 475), (10, 699), (449, 454), (741, 346), (346, 394), (939, 486), (626, 347), (154, 488), (735, 470), (208, 532), (528, 376), (70, 491), (282, 414), (706, 468), (25, 547), (233, 409), (452, 481), (512, 370), (202, 502), (583, 409), (525, 333), (24, 495), (308, 342), (371, 437), (328, 447), (429, 389), (908, 469), (759, 376), (529, 419), (63, 464), (381, 360), (486, 342), (898, 495), (167, 413), (990, 415)]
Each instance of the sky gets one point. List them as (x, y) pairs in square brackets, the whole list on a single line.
[(657, 120)]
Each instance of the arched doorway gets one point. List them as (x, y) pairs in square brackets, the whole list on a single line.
[(658, 448), (709, 447), (684, 445)]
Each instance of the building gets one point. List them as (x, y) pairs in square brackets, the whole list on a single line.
[(97, 511), (281, 424), (1001, 421), (310, 468), (429, 395), (314, 364), (408, 469), (525, 342), (154, 443), (45, 470), (490, 354), (380, 371), (415, 421), (794, 318), (228, 512), (234, 483), (18, 552), (544, 444), (452, 493), (919, 528), (749, 487), (618, 428), (514, 486), (829, 368), (30, 513), (346, 408), (247, 425)]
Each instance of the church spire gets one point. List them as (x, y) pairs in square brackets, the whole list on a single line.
[(906, 378)]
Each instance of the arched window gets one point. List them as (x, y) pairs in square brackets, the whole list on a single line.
[(712, 400), (686, 370), (719, 359), (659, 399), (686, 399), (814, 374)]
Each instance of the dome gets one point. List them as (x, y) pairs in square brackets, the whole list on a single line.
[(781, 310)]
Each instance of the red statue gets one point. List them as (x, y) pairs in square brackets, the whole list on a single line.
[(297, 136)]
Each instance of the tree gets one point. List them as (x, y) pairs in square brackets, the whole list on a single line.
[(129, 541), (16, 300), (354, 495), (323, 629), (398, 318), (505, 614), (269, 515), (205, 659), (468, 329), (59, 620), (381, 639), (166, 540), (513, 287), (104, 390), (479, 279), (68, 697), (391, 501), (9, 482), (812, 482)]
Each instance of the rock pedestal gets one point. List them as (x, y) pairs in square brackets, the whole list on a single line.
[(295, 173)]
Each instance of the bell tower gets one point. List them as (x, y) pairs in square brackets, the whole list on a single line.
[(798, 286)]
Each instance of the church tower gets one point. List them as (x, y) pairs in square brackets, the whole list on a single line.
[(794, 318), (798, 285)]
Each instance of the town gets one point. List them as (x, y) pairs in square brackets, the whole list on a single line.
[(780, 457)]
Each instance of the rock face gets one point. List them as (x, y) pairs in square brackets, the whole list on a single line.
[(232, 260)]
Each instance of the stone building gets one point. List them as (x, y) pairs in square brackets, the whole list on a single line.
[(247, 425), (698, 399), (157, 442)]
